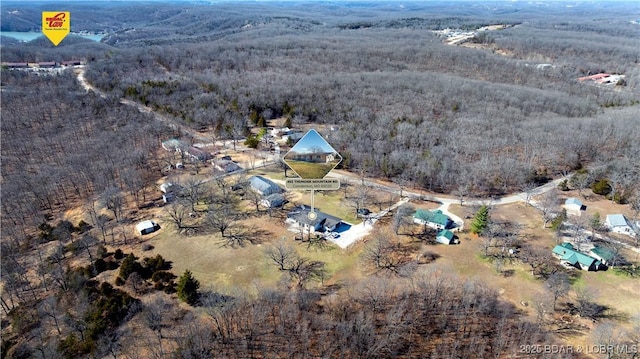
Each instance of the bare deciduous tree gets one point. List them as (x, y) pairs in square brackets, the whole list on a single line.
[(281, 254)]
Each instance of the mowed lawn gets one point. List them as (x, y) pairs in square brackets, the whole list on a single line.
[(331, 202), (225, 269), (309, 169), (616, 291)]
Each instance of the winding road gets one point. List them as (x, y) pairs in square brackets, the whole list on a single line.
[(189, 132), (360, 230)]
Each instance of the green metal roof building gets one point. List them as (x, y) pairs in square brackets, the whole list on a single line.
[(435, 219), (567, 253), (446, 237), (602, 254)]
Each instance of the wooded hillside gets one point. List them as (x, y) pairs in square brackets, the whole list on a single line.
[(409, 106), (502, 112)]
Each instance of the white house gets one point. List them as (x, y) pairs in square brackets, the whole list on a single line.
[(321, 222), (574, 206), (146, 227), (275, 132), (434, 219), (226, 166), (618, 223)]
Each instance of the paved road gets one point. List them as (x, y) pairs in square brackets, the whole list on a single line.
[(360, 230), (513, 198)]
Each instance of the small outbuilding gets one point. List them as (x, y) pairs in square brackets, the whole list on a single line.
[(446, 237), (146, 227), (574, 206)]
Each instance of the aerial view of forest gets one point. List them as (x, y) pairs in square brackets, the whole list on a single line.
[(487, 155)]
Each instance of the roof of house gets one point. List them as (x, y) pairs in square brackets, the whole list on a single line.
[(145, 225), (561, 249), (197, 153), (263, 185), (274, 198), (227, 165), (436, 216), (300, 214), (446, 233), (617, 220), (582, 259), (568, 254), (573, 201), (603, 253)]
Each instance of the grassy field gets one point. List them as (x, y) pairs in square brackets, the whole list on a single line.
[(331, 202), (617, 291), (226, 269), (309, 169)]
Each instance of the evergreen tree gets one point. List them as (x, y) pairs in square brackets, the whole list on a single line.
[(188, 288), (252, 141), (556, 224), (480, 220), (129, 265)]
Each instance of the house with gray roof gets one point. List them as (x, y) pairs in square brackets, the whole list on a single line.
[(226, 166), (264, 186), (618, 223), (574, 206), (322, 222)]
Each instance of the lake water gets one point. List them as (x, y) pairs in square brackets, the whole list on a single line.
[(31, 35)]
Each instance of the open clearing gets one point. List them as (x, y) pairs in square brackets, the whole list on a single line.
[(226, 269), (616, 291)]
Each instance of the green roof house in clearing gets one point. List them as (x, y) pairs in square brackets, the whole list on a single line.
[(568, 254), (434, 219)]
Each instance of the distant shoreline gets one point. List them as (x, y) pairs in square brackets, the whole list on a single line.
[(25, 36)]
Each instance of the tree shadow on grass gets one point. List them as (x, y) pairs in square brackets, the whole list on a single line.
[(427, 257), (595, 311), (240, 236)]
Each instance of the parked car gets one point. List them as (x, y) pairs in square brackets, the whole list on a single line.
[(363, 212)]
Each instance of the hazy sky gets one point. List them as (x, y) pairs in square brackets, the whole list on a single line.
[(310, 140)]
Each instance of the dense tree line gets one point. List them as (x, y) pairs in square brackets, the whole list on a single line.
[(62, 146), (73, 47), (408, 106)]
